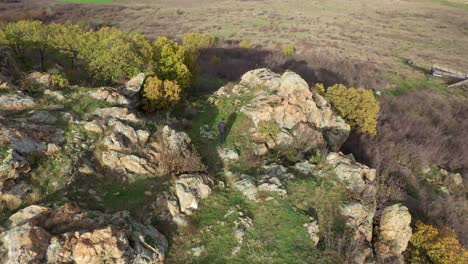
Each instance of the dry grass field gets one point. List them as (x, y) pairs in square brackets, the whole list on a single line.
[(384, 33)]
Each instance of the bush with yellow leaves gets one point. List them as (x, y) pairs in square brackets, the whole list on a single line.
[(430, 244), (159, 94), (357, 106), (58, 81), (288, 49), (197, 41), (244, 44), (320, 88)]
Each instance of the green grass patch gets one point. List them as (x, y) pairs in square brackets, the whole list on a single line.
[(320, 196), (52, 173), (81, 103), (404, 86), (278, 236), (3, 152), (88, 1)]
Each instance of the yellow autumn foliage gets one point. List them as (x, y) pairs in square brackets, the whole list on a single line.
[(160, 94), (357, 106), (430, 244)]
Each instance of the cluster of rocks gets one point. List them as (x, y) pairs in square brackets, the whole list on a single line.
[(301, 120), (123, 148), (67, 234)]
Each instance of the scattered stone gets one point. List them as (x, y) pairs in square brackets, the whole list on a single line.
[(42, 116), (197, 251), (278, 171), (120, 113), (57, 95), (269, 183), (313, 231), (241, 225), (246, 186), (228, 156), (190, 189), (206, 132), (93, 127), (304, 167)]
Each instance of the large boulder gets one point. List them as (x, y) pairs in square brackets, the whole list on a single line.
[(190, 189), (67, 234), (285, 113), (393, 233)]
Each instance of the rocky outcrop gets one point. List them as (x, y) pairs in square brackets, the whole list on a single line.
[(16, 102), (67, 234), (393, 233), (285, 113)]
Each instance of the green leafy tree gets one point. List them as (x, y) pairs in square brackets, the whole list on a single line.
[(113, 54), (192, 43), (170, 62), (69, 39), (160, 94), (357, 106)]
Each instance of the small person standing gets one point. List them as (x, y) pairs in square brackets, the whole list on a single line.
[(222, 130)]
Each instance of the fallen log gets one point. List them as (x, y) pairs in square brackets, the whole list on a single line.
[(440, 71), (459, 84)]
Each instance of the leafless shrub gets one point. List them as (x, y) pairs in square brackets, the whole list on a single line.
[(416, 130)]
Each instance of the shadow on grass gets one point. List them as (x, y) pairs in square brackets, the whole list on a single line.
[(228, 63)]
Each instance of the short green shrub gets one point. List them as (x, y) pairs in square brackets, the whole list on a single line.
[(159, 94), (198, 40), (244, 44), (215, 60), (320, 88), (58, 81), (288, 49), (357, 106)]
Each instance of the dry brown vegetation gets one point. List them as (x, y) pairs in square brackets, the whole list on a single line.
[(417, 130)]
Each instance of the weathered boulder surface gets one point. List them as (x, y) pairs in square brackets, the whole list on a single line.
[(285, 113), (110, 95), (394, 232), (190, 189), (16, 102), (360, 210), (38, 234)]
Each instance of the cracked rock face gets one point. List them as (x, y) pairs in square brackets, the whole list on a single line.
[(301, 120), (394, 232), (38, 234)]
